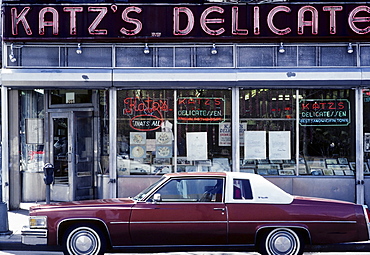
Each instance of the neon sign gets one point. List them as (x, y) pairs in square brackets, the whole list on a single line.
[(146, 114), (192, 110), (123, 22), (324, 112)]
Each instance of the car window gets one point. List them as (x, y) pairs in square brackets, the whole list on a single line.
[(192, 190), (242, 189), (143, 193)]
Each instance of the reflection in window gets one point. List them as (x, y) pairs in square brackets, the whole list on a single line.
[(192, 190)]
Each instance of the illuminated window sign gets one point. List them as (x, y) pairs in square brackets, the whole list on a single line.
[(200, 110), (146, 114), (324, 112)]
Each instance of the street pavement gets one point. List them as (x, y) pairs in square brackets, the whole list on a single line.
[(11, 244)]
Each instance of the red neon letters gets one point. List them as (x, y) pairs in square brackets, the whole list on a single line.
[(213, 20)]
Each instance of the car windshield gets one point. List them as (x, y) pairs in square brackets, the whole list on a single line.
[(143, 193)]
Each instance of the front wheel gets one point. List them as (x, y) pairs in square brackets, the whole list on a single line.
[(84, 239), (281, 241)]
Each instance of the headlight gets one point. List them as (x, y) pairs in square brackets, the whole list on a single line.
[(38, 221)]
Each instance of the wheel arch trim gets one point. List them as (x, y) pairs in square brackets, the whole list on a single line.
[(72, 221), (260, 229)]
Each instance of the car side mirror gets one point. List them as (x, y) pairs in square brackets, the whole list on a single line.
[(157, 198)]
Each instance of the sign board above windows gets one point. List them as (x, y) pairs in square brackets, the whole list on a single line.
[(185, 22)]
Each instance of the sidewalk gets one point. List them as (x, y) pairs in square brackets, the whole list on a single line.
[(17, 219)]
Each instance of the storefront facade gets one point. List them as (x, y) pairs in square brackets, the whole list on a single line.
[(115, 95)]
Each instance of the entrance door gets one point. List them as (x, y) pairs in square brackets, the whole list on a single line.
[(72, 153)]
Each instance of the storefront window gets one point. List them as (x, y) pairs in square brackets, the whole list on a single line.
[(32, 130), (77, 96), (204, 130), (326, 132), (150, 141), (31, 137), (104, 131), (267, 131), (143, 118), (366, 130)]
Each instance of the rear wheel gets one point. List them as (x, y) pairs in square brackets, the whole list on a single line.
[(84, 239), (281, 241)]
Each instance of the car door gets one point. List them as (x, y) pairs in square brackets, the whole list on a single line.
[(190, 211)]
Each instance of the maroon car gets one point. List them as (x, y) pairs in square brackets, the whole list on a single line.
[(206, 211)]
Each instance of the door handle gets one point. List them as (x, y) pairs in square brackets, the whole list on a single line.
[(219, 209)]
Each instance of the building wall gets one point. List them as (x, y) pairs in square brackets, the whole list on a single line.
[(261, 85)]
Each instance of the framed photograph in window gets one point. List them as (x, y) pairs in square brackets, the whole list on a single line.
[(184, 161), (331, 161), (343, 161), (348, 172), (317, 172), (163, 151), (286, 172), (327, 171), (138, 151), (137, 138), (163, 137)]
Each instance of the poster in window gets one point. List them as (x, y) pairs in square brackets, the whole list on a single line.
[(224, 133), (34, 131), (255, 145), (196, 146), (279, 145)]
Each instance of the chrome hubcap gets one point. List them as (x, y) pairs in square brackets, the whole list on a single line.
[(283, 242), (83, 241)]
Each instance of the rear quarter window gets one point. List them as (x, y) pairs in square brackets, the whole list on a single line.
[(242, 189)]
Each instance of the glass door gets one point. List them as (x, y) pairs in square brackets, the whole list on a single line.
[(83, 155), (72, 155)]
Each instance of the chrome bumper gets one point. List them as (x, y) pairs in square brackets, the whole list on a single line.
[(34, 236)]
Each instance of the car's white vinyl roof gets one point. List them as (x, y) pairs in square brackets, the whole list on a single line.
[(263, 190)]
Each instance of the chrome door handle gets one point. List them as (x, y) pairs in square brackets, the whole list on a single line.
[(219, 209)]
